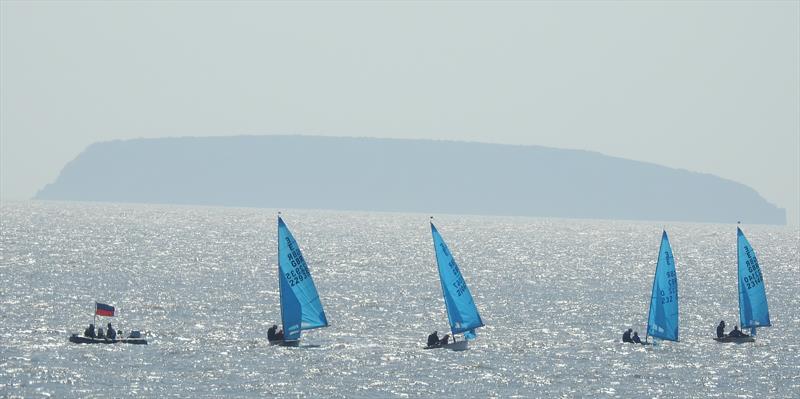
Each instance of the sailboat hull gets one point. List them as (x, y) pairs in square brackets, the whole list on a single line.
[(454, 346), (281, 342), (735, 340)]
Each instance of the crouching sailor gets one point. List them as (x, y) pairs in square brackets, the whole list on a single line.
[(273, 334), (626, 336), (737, 333), (433, 339), (635, 339)]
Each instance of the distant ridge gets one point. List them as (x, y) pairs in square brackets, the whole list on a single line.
[(401, 175)]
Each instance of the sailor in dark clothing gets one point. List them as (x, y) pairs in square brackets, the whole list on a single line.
[(626, 336), (736, 333), (100, 333), (111, 333), (433, 339), (635, 339), (721, 329), (273, 334), (444, 340), (89, 332)]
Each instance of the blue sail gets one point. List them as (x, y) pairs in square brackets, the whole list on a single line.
[(301, 308), (461, 311), (753, 309), (662, 321)]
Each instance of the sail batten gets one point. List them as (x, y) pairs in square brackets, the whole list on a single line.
[(662, 320), (753, 308), (301, 308), (462, 314)]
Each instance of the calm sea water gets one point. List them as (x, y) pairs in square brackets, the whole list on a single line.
[(555, 296)]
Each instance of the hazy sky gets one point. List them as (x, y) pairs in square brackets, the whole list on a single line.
[(706, 86)]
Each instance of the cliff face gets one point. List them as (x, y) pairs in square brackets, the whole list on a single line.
[(401, 175)]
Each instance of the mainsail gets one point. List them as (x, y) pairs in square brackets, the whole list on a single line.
[(662, 321), (753, 309), (301, 308), (461, 311)]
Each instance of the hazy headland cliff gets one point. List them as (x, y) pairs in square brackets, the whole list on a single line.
[(401, 175)]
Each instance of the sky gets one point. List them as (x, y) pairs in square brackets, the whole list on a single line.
[(711, 87)]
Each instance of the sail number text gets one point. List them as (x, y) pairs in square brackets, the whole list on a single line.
[(300, 270), (753, 279), (459, 285), (670, 293)]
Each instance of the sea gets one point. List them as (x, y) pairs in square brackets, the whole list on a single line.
[(555, 295)]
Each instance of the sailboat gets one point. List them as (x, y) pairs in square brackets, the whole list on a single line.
[(662, 319), (301, 308), (461, 310), (753, 309)]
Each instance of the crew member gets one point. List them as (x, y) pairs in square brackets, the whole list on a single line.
[(89, 332), (626, 336), (433, 339), (273, 334), (736, 332)]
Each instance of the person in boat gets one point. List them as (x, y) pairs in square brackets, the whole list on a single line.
[(721, 329), (89, 332), (626, 336), (444, 340), (111, 333), (100, 333), (273, 334), (737, 333), (433, 339), (635, 339)]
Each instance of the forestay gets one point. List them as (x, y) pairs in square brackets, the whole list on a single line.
[(301, 308), (662, 321), (753, 309), (461, 311)]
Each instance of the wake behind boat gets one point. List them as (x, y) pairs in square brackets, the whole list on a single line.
[(461, 310), (301, 308)]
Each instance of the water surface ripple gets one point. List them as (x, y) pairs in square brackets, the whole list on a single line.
[(555, 296)]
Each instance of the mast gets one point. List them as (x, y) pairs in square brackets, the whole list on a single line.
[(739, 274), (280, 286)]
